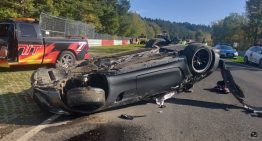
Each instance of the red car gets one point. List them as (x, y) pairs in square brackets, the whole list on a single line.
[(21, 42)]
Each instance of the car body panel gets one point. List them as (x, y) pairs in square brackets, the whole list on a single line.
[(254, 54)]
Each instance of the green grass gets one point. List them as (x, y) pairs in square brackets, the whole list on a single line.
[(239, 59), (107, 50), (13, 80)]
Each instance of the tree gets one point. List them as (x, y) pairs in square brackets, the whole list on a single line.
[(230, 30), (16, 8), (137, 25), (254, 14)]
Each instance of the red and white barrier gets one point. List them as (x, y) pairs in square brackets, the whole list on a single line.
[(98, 42)]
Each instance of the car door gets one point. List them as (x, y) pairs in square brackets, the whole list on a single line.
[(153, 82), (257, 55), (252, 54), (30, 44)]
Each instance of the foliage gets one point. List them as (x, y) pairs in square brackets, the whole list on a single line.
[(239, 59), (108, 16), (182, 30), (107, 50), (230, 30), (254, 14)]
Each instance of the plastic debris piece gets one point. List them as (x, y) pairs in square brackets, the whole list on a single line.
[(162, 106), (161, 99), (254, 134), (127, 117), (160, 112)]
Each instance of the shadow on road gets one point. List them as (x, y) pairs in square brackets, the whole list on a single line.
[(20, 109), (236, 66), (203, 104)]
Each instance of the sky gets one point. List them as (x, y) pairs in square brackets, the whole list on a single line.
[(192, 11)]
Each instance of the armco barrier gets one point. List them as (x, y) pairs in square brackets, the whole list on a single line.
[(98, 42), (107, 42), (94, 42)]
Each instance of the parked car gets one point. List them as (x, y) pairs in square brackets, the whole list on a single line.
[(22, 43), (227, 51), (254, 55)]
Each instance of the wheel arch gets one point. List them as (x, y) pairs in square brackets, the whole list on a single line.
[(72, 51)]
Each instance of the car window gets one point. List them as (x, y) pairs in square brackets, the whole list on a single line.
[(27, 30), (253, 49), (258, 50), (226, 47), (4, 30)]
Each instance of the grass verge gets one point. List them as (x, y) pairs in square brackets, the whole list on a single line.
[(107, 50), (239, 59)]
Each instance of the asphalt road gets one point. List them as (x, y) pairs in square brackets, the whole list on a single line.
[(201, 115)]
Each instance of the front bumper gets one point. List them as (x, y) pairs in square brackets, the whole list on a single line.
[(228, 55)]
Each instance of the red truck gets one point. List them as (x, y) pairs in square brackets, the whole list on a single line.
[(21, 43)]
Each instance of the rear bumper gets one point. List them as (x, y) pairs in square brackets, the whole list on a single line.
[(228, 55), (49, 100)]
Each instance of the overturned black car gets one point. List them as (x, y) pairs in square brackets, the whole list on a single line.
[(107, 82)]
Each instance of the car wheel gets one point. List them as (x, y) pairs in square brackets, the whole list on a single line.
[(66, 59), (199, 58), (86, 98), (246, 60), (215, 61)]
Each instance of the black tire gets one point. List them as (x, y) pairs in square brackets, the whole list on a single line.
[(246, 60), (67, 59), (86, 98), (215, 61), (199, 58)]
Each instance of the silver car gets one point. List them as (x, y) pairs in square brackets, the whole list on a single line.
[(254, 55)]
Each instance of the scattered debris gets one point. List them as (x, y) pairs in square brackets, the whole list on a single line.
[(129, 117), (162, 106), (221, 87), (161, 99), (254, 134), (160, 112)]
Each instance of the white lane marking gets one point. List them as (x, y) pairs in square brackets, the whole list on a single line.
[(38, 128)]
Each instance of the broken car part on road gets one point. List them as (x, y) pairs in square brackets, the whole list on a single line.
[(107, 82)]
